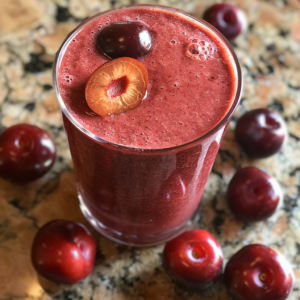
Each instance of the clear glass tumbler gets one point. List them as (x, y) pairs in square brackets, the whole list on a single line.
[(141, 197)]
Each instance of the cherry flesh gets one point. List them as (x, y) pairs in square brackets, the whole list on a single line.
[(63, 251), (193, 259), (227, 18), (119, 85), (260, 133), (258, 272), (124, 40), (26, 153), (253, 195)]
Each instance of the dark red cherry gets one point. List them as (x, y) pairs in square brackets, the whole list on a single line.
[(258, 272), (228, 19), (261, 133), (63, 251), (193, 259), (26, 153), (124, 40), (253, 195)]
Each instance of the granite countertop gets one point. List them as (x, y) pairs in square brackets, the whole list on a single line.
[(30, 34)]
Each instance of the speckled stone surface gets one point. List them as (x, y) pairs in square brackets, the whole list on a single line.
[(269, 52)]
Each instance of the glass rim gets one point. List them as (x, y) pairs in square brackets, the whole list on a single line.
[(98, 139)]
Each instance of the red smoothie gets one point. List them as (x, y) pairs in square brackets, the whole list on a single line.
[(141, 174)]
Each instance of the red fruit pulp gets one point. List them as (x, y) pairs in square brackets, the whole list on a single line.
[(117, 87)]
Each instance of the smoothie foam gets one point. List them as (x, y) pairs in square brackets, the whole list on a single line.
[(186, 97)]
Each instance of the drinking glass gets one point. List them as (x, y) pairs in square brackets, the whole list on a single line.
[(141, 197)]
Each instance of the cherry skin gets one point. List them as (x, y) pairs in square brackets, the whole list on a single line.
[(227, 18), (26, 153), (258, 272), (253, 195), (260, 133), (63, 251), (124, 40), (193, 259)]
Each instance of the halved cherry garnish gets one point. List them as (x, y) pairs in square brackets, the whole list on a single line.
[(117, 86)]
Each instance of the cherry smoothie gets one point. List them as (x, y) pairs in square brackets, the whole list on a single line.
[(141, 174)]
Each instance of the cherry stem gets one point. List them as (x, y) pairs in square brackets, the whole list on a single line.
[(22, 143), (195, 254), (262, 277)]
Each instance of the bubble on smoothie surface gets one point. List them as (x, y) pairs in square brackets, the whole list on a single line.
[(194, 49), (67, 78), (199, 50)]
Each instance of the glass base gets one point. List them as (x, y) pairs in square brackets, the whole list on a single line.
[(134, 240)]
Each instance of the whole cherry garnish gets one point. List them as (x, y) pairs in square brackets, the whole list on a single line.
[(26, 153), (193, 259), (63, 251), (117, 86), (227, 18), (124, 40), (258, 272), (261, 133), (253, 195)]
